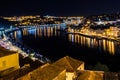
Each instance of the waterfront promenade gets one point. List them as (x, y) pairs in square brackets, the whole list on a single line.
[(96, 36), (7, 43)]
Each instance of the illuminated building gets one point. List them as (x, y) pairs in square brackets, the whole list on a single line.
[(63, 69), (9, 61)]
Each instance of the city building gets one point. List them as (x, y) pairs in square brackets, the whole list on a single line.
[(9, 61), (63, 69), (73, 20), (66, 68), (71, 65)]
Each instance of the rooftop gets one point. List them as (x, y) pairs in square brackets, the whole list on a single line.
[(5, 52), (52, 71), (68, 63), (46, 73)]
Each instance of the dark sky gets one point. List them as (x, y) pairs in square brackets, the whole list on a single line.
[(58, 7)]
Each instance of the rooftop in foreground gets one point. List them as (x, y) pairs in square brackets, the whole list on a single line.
[(5, 52), (68, 63), (55, 71)]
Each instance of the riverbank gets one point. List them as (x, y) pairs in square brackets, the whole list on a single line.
[(9, 43), (96, 36)]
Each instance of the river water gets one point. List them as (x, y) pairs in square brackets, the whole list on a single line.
[(54, 44)]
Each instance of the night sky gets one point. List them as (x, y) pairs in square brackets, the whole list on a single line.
[(58, 7)]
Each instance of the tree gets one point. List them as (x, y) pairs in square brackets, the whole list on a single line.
[(101, 67)]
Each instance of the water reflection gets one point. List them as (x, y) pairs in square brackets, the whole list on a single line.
[(101, 44), (17, 36), (25, 32), (90, 50), (45, 31)]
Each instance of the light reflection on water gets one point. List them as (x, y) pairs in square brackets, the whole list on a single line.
[(49, 41), (42, 31), (105, 45), (101, 44), (17, 36)]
